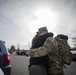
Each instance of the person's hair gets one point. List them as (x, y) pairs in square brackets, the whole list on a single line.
[(51, 34), (65, 37)]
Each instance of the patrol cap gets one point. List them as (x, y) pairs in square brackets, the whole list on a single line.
[(65, 37), (42, 29)]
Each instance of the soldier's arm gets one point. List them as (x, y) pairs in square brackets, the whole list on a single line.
[(44, 50)]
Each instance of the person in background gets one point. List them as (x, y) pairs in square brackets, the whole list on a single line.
[(37, 63), (53, 47)]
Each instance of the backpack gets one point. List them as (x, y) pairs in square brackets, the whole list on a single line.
[(64, 49), (64, 52), (66, 58)]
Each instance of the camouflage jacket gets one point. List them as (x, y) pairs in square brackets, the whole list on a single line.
[(51, 45)]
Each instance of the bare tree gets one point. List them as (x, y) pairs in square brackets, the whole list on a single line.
[(12, 49)]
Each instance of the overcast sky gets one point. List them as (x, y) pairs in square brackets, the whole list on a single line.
[(20, 19)]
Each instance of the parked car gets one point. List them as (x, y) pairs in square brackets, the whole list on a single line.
[(74, 54), (18, 52), (5, 65), (21, 52)]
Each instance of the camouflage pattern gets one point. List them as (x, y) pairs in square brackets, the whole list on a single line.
[(44, 50), (42, 29), (50, 45), (53, 47)]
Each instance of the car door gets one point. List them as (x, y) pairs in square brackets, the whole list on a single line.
[(1, 56)]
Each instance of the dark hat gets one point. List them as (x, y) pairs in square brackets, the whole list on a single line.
[(65, 37), (42, 29)]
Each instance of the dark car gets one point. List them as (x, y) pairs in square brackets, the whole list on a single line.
[(4, 59), (18, 52), (21, 52)]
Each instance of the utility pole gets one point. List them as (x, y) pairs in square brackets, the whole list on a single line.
[(18, 47)]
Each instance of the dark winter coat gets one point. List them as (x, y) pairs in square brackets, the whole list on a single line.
[(38, 42)]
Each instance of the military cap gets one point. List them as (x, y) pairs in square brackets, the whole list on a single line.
[(65, 37), (42, 29)]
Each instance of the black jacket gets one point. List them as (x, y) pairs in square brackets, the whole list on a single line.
[(38, 42)]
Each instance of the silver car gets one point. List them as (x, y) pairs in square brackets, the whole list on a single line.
[(74, 54), (4, 59), (1, 72)]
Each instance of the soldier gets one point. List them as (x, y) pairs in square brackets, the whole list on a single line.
[(36, 62), (53, 47)]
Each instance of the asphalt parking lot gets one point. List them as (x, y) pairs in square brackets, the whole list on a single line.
[(20, 66)]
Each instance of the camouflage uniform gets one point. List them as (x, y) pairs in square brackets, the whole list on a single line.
[(51, 48)]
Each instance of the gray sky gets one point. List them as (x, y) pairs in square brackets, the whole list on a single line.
[(20, 19)]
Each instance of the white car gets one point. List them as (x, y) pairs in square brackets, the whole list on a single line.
[(74, 54), (1, 72)]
